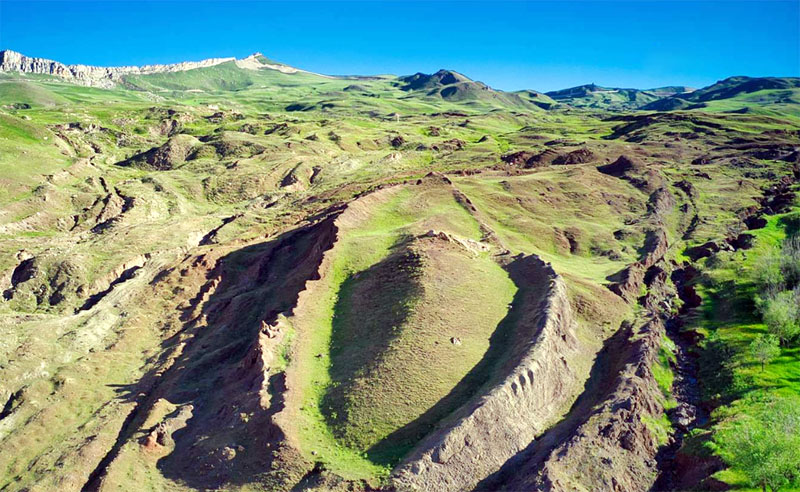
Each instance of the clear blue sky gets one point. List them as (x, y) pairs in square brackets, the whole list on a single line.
[(510, 45)]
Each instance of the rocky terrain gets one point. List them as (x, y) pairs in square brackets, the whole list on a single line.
[(234, 274), (107, 77)]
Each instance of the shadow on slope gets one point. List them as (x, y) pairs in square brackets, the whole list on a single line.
[(212, 370), (231, 437)]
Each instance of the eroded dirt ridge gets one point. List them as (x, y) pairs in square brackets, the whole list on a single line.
[(606, 439), (536, 383)]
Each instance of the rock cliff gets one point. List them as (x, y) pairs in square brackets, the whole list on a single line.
[(107, 77)]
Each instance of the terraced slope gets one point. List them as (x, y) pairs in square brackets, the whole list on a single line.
[(247, 278)]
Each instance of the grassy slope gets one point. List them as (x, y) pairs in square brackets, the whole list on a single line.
[(730, 317), (525, 223)]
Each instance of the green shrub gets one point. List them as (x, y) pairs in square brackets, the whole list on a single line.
[(782, 315), (767, 272), (790, 262), (791, 222)]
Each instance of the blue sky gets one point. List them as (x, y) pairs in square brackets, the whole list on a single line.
[(509, 45)]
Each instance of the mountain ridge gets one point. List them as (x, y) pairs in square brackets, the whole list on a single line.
[(230, 73), (108, 77)]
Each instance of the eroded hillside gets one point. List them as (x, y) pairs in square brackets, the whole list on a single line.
[(242, 277)]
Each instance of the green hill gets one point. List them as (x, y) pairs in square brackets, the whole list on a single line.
[(759, 94), (455, 87), (593, 96), (23, 92)]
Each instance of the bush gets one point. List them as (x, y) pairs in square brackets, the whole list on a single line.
[(777, 277), (767, 272), (791, 222), (781, 314)]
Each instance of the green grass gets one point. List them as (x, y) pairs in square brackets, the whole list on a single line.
[(24, 92), (729, 316), (662, 371), (527, 224)]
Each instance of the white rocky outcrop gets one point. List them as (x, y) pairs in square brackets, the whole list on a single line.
[(107, 77)]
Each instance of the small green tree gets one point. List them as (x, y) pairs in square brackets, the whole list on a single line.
[(765, 348), (765, 444), (782, 315)]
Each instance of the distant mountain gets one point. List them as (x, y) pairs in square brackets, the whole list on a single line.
[(542, 100), (740, 94), (670, 90), (436, 81), (610, 98), (777, 90), (107, 77), (734, 86), (453, 86)]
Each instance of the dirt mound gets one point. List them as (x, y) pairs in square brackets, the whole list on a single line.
[(165, 157), (549, 156), (298, 178), (519, 158), (449, 145), (702, 251), (779, 197), (282, 129), (232, 146), (628, 282), (755, 222), (579, 156), (622, 167), (45, 283), (543, 158)]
